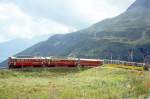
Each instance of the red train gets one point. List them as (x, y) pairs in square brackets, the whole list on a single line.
[(20, 62)]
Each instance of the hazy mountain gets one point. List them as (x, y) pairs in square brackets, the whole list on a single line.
[(14, 46), (117, 35), (9, 48)]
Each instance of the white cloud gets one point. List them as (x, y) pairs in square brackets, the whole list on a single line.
[(97, 10), (14, 23), (31, 18), (75, 13)]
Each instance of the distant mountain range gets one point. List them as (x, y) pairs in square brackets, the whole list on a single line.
[(14, 46), (116, 36), (9, 48)]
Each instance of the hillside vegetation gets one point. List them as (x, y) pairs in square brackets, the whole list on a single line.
[(117, 35), (95, 83)]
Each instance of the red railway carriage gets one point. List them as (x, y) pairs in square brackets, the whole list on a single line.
[(17, 62), (64, 63), (90, 62), (25, 62), (60, 62)]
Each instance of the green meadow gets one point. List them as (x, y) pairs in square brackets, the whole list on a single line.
[(61, 83)]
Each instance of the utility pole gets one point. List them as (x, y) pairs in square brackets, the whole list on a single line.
[(146, 58), (143, 52), (132, 54), (111, 57), (119, 58)]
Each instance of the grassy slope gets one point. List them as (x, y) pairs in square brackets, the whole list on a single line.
[(96, 83)]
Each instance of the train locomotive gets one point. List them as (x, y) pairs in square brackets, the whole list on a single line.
[(23, 62)]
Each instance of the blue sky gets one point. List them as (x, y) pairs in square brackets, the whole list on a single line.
[(30, 18)]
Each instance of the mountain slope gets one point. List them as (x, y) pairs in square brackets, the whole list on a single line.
[(9, 48), (129, 30)]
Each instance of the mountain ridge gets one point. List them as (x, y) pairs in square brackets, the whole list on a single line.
[(115, 36), (126, 30)]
